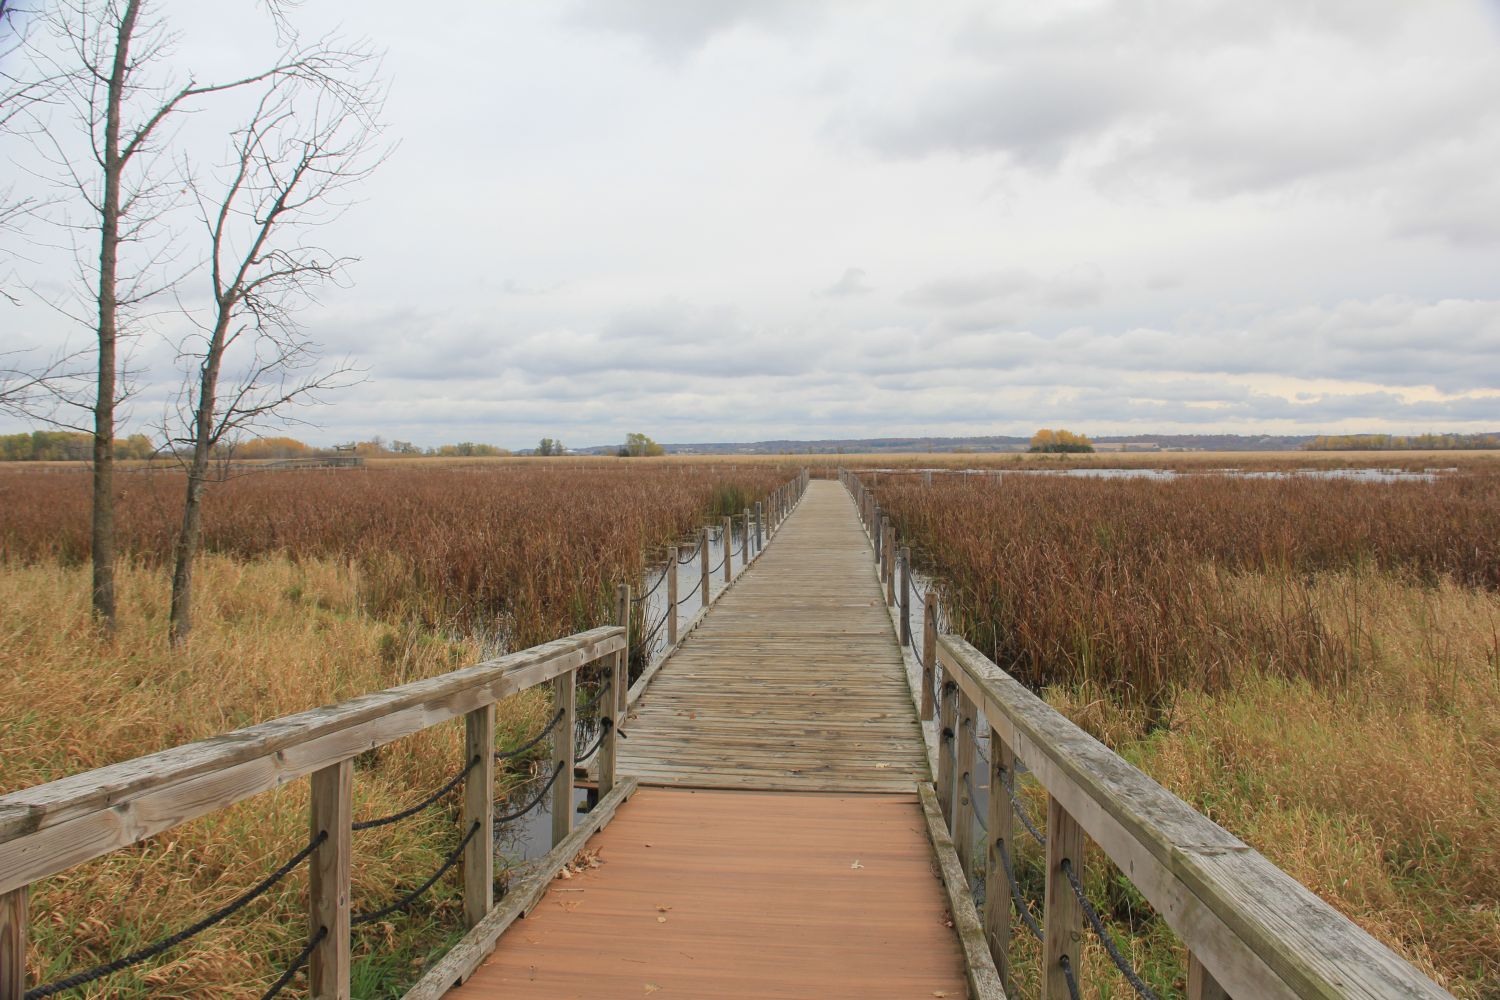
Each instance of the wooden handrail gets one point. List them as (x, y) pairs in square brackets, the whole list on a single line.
[(51, 827), (1260, 932)]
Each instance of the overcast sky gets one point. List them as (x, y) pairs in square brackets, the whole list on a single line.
[(729, 221)]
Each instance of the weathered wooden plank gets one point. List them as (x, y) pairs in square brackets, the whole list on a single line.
[(329, 872), (14, 923), (478, 807), (1062, 916)]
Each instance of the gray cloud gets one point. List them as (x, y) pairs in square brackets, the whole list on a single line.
[(852, 282)]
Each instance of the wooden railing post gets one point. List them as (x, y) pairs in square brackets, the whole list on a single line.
[(947, 742), (703, 551), (966, 734), (608, 721), (890, 562), (1201, 985), (929, 654), (877, 536), (564, 691), (1062, 921), (479, 807), (904, 559), (332, 812), (14, 917), (728, 530), (1001, 821), (760, 532), (674, 553), (745, 545), (620, 681)]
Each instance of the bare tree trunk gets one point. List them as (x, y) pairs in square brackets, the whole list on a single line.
[(192, 511), (109, 256)]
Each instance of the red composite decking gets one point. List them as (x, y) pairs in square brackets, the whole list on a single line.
[(714, 893)]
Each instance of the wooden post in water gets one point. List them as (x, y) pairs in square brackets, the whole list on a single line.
[(564, 692), (728, 530), (332, 813), (674, 554), (903, 557), (479, 807), (14, 917), (966, 735), (703, 552), (1062, 921), (1201, 985), (929, 654), (1001, 821)]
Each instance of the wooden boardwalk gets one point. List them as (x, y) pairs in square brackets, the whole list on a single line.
[(793, 682), (773, 896), (788, 855)]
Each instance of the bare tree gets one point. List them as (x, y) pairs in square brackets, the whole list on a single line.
[(308, 140), (108, 70)]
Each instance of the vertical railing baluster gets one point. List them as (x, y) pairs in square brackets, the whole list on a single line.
[(703, 553), (745, 545), (947, 740), (620, 687), (332, 813), (1062, 920), (760, 531), (564, 695), (674, 553), (966, 733), (608, 721), (1001, 822), (479, 807), (14, 918), (728, 530), (903, 559), (890, 562), (929, 655)]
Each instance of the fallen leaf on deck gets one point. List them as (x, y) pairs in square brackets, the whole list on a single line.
[(661, 920), (652, 988), (856, 864)]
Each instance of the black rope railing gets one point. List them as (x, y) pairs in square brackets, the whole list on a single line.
[(507, 754), (645, 641), (693, 554), (696, 587), (173, 940), (360, 919), (1115, 955), (604, 727), (1066, 965), (407, 813), (557, 769), (297, 963), (654, 587), (1022, 908), (720, 565), (1023, 816), (973, 800)]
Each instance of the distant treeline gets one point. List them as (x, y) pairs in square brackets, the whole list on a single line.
[(70, 446), (1396, 442)]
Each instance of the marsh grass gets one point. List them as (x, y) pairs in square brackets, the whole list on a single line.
[(1313, 665), (313, 589)]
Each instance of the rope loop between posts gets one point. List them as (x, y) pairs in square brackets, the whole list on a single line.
[(1064, 963), (974, 798), (173, 940), (407, 813), (654, 587), (360, 919), (605, 724), (696, 587), (1115, 955), (547, 731), (694, 554), (557, 769)]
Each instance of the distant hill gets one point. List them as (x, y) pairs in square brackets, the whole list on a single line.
[(995, 443)]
